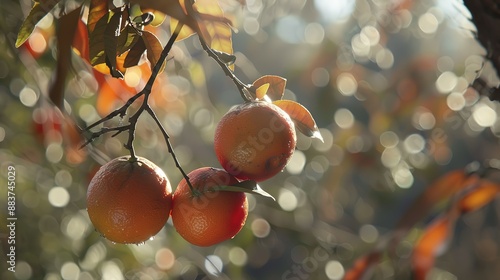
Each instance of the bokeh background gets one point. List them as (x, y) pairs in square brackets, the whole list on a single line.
[(387, 82)]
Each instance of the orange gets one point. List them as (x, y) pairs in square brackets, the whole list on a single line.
[(129, 201), (255, 140), (207, 217)]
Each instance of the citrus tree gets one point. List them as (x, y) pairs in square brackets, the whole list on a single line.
[(151, 146)]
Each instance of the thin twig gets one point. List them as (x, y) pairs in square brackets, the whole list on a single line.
[(105, 130), (122, 111), (170, 148), (242, 87)]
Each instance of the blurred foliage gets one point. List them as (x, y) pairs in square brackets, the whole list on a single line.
[(387, 82)]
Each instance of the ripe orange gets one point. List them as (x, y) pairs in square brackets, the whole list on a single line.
[(208, 217), (129, 201), (255, 140)]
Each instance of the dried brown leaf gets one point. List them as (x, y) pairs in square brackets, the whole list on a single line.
[(153, 48), (135, 53), (302, 118)]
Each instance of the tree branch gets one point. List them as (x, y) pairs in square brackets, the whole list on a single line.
[(122, 111)]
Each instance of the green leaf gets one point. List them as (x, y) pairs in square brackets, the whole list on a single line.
[(96, 41), (248, 186), (126, 40), (37, 13)]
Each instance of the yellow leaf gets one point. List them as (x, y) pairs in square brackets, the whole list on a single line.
[(277, 86), (213, 26), (37, 13), (186, 31), (261, 91)]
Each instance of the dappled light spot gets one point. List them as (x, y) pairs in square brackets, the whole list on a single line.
[(391, 157), (414, 143), (70, 271), (320, 77), (314, 33), (111, 270), (113, 145), (360, 48), (446, 82), (88, 113), (54, 152), (344, 118), (37, 42), (347, 84), (238, 256), (165, 258), (28, 97), (484, 115), (370, 35), (23, 271), (384, 58), (2, 134), (334, 270), (133, 77), (75, 227), (428, 23), (368, 233), (287, 200), (63, 178), (296, 163), (290, 29), (260, 228), (213, 264), (94, 255), (251, 25), (389, 139), (403, 177), (455, 101), (58, 197), (335, 11), (202, 118)]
